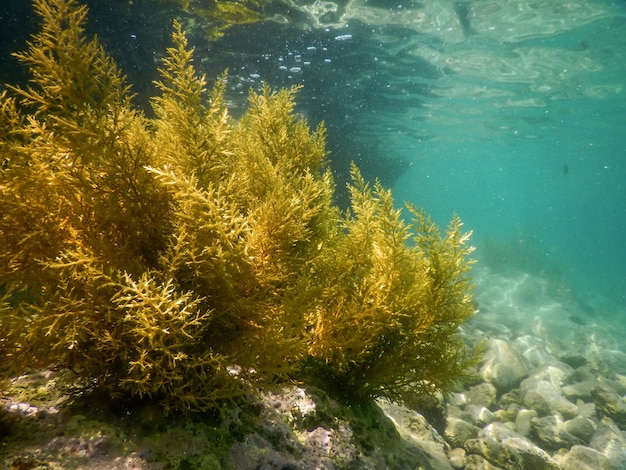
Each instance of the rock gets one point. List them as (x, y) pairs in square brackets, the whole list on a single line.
[(581, 427), (581, 374), (612, 359), (573, 359), (255, 452), (533, 350), (476, 462), (81, 447), (336, 444), (458, 431), (554, 373), (303, 429), (550, 434), (516, 453), (503, 365), (24, 409), (513, 396), (580, 390), (457, 458), (424, 443), (587, 410), (508, 415), (608, 440), (609, 404), (483, 394), (457, 399), (522, 452), (478, 415), (509, 405), (499, 431), (453, 411), (543, 397), (523, 421), (618, 383), (581, 457)]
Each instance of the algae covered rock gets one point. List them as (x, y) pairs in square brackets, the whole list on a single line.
[(609, 404)]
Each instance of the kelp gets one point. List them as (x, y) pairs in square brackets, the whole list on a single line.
[(191, 257)]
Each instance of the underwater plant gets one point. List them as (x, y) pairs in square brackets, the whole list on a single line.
[(390, 299), (220, 15), (191, 257)]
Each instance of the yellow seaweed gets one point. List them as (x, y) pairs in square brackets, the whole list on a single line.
[(192, 257)]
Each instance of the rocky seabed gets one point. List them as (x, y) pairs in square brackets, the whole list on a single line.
[(548, 394)]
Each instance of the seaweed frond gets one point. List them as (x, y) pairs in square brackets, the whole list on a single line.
[(387, 316)]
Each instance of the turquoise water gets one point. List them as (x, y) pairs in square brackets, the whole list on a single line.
[(529, 148)]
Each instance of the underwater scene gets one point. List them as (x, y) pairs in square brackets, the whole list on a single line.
[(306, 234)]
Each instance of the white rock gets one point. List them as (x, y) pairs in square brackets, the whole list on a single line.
[(523, 421), (503, 365), (457, 458), (546, 399), (534, 351), (582, 457)]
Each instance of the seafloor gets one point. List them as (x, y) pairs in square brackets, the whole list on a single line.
[(549, 394)]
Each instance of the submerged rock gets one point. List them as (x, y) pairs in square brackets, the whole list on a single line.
[(429, 447), (579, 390), (479, 415), (609, 404), (550, 434), (546, 399), (533, 350), (503, 447), (512, 453), (477, 462), (503, 365), (483, 394), (581, 457), (609, 440), (458, 431), (581, 427), (523, 421)]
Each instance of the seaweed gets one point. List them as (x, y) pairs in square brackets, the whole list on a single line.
[(191, 257), (391, 297)]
